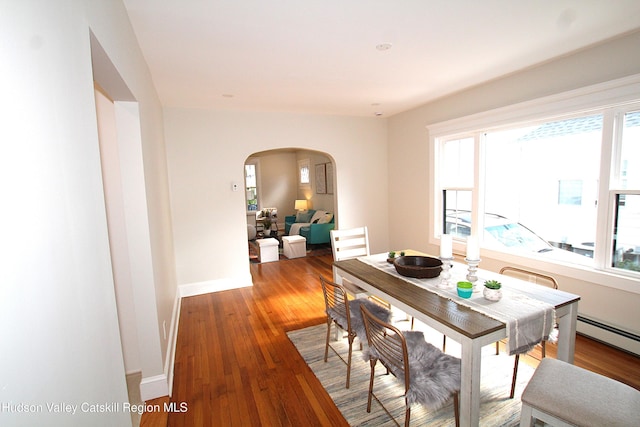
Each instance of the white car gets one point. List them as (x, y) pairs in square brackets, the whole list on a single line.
[(504, 234)]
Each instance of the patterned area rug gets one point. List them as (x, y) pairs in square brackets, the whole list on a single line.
[(496, 409)]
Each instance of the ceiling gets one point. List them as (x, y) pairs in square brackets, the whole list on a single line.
[(355, 57)]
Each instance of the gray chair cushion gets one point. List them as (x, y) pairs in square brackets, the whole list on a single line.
[(357, 325), (434, 376), (578, 396)]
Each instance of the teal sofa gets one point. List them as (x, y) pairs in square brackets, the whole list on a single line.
[(315, 233)]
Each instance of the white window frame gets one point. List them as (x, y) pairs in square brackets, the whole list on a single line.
[(304, 163), (256, 162), (616, 97)]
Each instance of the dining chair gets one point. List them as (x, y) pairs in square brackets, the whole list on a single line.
[(538, 278), (346, 315), (430, 376), (349, 243), (353, 243)]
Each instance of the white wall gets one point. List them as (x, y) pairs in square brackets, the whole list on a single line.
[(409, 158), (324, 201), (278, 177), (58, 322), (146, 195), (206, 150)]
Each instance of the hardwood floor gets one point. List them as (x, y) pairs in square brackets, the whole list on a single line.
[(235, 365)]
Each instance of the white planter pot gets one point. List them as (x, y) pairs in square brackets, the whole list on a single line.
[(492, 294)]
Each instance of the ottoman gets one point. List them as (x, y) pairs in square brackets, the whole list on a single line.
[(294, 246), (267, 250)]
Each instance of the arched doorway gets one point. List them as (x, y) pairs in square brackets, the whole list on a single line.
[(275, 179)]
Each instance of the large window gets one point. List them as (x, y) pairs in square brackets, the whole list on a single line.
[(561, 189), (626, 195)]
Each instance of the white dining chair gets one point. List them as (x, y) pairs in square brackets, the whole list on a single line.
[(349, 243), (353, 243)]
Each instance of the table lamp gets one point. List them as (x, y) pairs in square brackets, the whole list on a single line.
[(301, 205)]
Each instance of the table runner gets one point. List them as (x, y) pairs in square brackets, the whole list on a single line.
[(528, 320)]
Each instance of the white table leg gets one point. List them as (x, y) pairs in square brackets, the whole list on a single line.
[(470, 385), (567, 333)]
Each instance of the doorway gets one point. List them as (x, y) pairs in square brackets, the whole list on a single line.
[(278, 183)]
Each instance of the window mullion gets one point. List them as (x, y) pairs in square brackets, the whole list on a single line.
[(477, 223), (604, 225)]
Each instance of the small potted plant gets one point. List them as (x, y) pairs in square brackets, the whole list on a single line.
[(268, 219), (267, 226), (492, 290), (391, 256)]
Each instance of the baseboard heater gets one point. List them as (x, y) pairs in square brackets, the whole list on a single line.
[(609, 328)]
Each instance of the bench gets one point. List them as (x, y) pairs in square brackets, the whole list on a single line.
[(562, 394)]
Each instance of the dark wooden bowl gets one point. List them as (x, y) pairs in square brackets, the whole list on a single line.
[(419, 267)]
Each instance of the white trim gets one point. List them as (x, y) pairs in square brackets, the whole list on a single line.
[(153, 387), (608, 337), (576, 101), (304, 163), (208, 286), (173, 342)]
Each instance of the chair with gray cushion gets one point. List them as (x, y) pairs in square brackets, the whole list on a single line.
[(346, 315), (565, 395), (430, 376)]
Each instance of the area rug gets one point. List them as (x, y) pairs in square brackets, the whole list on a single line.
[(496, 409)]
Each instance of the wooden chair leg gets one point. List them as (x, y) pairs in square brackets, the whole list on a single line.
[(407, 413), (444, 343), (373, 369), (544, 348), (351, 337), (456, 408), (515, 374), (326, 346), (497, 348)]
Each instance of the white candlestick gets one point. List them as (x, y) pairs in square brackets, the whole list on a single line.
[(446, 246), (473, 248)]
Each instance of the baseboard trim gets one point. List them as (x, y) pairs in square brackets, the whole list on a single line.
[(153, 387), (173, 341), (209, 286)]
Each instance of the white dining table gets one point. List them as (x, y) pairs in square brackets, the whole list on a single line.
[(455, 319)]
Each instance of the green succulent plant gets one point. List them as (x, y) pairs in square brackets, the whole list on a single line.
[(492, 284), (392, 254)]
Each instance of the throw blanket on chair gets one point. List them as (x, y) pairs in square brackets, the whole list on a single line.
[(357, 325), (434, 376)]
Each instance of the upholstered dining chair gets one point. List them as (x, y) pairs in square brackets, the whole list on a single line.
[(540, 279), (346, 315), (430, 376)]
